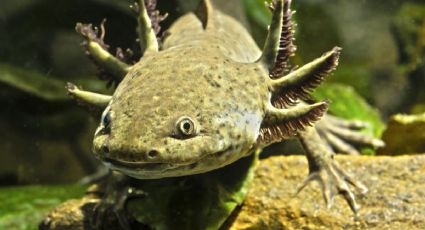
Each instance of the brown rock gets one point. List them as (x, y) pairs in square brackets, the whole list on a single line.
[(396, 197), (71, 215), (405, 134)]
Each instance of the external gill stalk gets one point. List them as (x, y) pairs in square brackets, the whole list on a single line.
[(279, 41), (97, 51), (93, 101), (280, 124), (155, 17), (283, 118), (147, 34), (299, 83)]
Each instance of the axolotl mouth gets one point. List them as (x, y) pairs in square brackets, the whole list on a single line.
[(146, 170)]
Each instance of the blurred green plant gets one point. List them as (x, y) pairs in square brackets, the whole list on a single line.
[(22, 208), (409, 28), (348, 104), (33, 83), (257, 12)]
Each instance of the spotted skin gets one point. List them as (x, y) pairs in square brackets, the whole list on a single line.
[(207, 74), (210, 74), (203, 87)]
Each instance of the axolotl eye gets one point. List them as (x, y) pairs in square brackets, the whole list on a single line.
[(186, 127), (106, 121)]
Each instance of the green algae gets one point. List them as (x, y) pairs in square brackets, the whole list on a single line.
[(24, 207)]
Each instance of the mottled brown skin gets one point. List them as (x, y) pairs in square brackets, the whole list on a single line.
[(210, 71), (211, 79)]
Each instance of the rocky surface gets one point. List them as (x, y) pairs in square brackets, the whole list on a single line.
[(396, 197), (73, 219), (404, 135)]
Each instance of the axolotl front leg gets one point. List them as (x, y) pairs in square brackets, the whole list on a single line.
[(320, 143), (289, 89), (325, 170)]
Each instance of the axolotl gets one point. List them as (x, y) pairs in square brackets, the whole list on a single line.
[(207, 96)]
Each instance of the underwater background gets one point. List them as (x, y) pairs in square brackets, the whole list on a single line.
[(45, 138)]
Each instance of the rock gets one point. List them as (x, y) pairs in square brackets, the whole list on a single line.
[(77, 214), (168, 203), (74, 218), (396, 197), (404, 135)]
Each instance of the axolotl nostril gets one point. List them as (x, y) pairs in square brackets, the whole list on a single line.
[(208, 96)]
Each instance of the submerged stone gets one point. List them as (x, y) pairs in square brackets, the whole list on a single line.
[(396, 197), (405, 134)]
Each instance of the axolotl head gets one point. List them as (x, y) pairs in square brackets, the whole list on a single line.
[(173, 117), (194, 107)]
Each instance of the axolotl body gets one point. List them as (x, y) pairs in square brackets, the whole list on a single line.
[(209, 96)]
